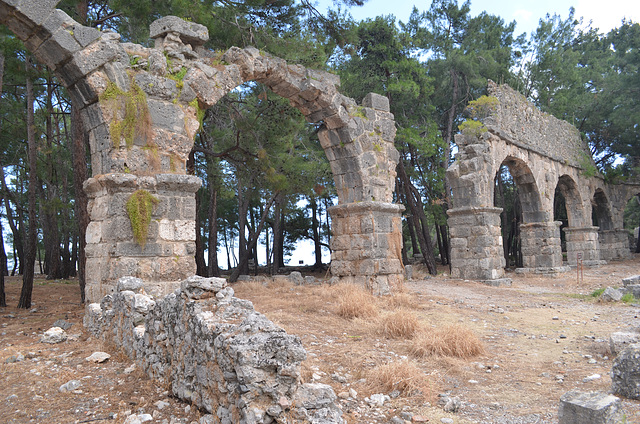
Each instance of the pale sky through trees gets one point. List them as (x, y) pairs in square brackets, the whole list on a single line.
[(605, 15)]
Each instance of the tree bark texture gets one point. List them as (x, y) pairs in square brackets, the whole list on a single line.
[(30, 253), (419, 219), (80, 174)]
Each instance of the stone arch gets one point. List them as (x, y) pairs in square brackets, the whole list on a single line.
[(601, 210), (171, 84), (569, 190), (549, 153), (581, 238), (532, 210)]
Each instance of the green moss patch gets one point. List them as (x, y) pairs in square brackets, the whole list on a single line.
[(136, 120), (139, 208)]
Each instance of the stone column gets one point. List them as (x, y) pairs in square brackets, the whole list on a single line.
[(368, 243), (541, 248), (583, 241), (476, 244), (614, 244), (168, 254)]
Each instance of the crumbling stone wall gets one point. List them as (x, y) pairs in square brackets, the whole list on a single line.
[(142, 108), (542, 154), (214, 350)]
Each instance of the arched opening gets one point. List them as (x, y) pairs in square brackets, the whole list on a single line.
[(601, 211), (516, 192), (506, 197), (632, 222), (263, 168), (528, 192), (566, 207)]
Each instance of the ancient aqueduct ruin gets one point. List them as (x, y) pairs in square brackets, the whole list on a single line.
[(141, 108)]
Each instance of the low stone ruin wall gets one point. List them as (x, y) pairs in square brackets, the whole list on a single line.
[(214, 350)]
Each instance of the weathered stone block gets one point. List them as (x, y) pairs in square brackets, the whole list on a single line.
[(631, 281), (190, 32), (376, 101), (589, 408), (625, 373), (621, 339), (36, 11)]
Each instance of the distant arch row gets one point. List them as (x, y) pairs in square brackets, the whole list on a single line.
[(544, 155)]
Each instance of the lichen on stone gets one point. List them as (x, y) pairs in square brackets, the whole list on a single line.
[(139, 209)]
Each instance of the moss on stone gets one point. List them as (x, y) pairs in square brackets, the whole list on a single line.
[(139, 209), (199, 111), (136, 118)]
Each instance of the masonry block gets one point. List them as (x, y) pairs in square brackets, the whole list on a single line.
[(589, 408)]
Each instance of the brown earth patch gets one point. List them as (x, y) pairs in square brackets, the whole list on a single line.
[(541, 337)]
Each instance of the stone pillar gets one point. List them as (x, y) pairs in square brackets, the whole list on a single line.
[(541, 248), (476, 244), (168, 255), (367, 247), (583, 241), (614, 244)]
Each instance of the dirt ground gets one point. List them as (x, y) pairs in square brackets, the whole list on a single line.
[(543, 336)]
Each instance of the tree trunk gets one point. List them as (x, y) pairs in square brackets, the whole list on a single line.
[(446, 246), (277, 235), (73, 262), (315, 224), (49, 208), (243, 208), (213, 268), (3, 254), (415, 249), (419, 220), (254, 239), (18, 244), (80, 174), (440, 244), (201, 267), (638, 239), (3, 267), (30, 254)]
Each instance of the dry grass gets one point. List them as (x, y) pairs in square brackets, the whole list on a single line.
[(404, 376), (401, 300), (355, 302), (400, 324), (454, 340)]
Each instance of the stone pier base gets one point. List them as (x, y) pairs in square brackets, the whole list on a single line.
[(583, 242), (168, 255), (476, 243), (614, 245), (367, 246), (541, 248)]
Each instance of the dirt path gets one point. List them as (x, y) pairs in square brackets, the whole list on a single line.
[(543, 336)]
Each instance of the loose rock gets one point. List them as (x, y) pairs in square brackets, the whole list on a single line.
[(54, 335)]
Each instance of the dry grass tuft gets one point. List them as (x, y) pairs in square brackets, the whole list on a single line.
[(404, 376), (400, 324), (401, 300), (454, 340), (355, 302)]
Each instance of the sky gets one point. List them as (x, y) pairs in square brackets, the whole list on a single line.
[(604, 15)]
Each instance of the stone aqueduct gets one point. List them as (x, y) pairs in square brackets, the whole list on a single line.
[(169, 85), (542, 153)]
